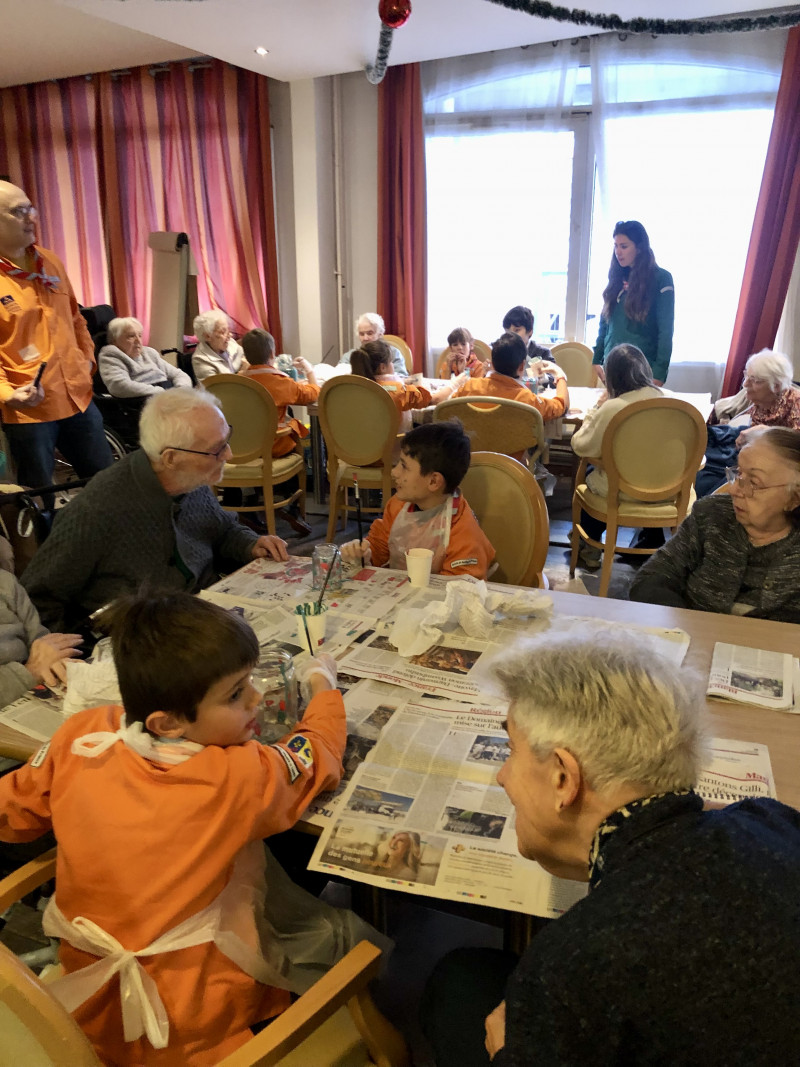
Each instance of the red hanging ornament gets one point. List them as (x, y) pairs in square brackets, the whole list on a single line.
[(393, 13)]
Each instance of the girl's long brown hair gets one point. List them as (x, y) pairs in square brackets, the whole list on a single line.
[(637, 297)]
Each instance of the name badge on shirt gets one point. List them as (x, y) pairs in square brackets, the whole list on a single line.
[(464, 563), (41, 755), (9, 303)]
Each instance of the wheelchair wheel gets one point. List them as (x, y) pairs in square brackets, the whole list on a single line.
[(115, 443)]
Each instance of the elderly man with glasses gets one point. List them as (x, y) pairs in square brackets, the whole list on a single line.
[(46, 355), (152, 517)]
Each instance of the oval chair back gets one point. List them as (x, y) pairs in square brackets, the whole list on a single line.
[(575, 359), (405, 351), (495, 424), (511, 510), (360, 423)]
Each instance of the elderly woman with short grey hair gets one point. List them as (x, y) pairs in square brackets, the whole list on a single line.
[(371, 327), (772, 399), (129, 369), (605, 750), (217, 352)]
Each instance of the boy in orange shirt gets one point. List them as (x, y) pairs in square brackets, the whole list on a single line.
[(159, 810), (428, 510)]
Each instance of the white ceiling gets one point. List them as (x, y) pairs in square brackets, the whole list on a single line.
[(306, 38)]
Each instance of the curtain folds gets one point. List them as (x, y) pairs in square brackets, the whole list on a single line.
[(776, 229), (402, 239), (109, 159)]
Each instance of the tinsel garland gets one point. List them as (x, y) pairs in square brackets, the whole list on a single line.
[(541, 9), (375, 73)]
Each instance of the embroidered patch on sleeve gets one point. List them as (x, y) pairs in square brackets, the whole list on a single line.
[(294, 774), (301, 749), (464, 563), (41, 755)]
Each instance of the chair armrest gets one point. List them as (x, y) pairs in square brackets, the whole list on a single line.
[(22, 881)]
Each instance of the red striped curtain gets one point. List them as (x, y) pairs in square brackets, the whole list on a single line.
[(402, 236), (776, 229), (110, 158)]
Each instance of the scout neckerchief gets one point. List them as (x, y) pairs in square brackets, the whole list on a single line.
[(50, 281)]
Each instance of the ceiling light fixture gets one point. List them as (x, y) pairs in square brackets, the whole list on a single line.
[(261, 51)]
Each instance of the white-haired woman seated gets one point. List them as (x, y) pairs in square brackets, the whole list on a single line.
[(771, 398), (129, 368), (217, 352), (738, 553), (370, 327)]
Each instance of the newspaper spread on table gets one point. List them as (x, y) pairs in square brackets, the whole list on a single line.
[(755, 676)]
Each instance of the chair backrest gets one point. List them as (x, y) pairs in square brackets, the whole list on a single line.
[(405, 351), (249, 410), (359, 420), (36, 1028), (652, 451), (511, 510), (575, 360), (482, 350), (443, 364), (495, 424)]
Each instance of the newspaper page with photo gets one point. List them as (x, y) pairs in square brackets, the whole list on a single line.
[(32, 716), (425, 814), (736, 770), (754, 676)]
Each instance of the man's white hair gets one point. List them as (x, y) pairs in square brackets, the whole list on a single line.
[(205, 322), (117, 326), (626, 714), (374, 319), (773, 367), (167, 419)]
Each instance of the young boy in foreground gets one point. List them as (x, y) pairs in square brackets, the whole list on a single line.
[(159, 811), (428, 510)]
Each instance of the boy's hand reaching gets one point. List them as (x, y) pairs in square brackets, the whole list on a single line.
[(317, 675), (353, 551)]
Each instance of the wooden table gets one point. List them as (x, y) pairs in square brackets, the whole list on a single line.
[(778, 730)]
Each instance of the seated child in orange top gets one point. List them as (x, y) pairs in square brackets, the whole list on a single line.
[(374, 361), (428, 510), (462, 354), (159, 810), (508, 365), (259, 350)]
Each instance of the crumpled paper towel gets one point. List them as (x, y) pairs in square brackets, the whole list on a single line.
[(468, 604), (90, 685)]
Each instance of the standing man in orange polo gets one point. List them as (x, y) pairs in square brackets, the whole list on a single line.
[(41, 326)]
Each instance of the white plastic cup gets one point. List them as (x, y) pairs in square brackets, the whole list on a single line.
[(316, 631), (418, 565)]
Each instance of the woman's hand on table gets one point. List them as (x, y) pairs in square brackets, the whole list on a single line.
[(355, 551), (269, 545), (496, 1030), (48, 656)]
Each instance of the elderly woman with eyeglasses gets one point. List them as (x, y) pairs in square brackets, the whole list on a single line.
[(771, 397), (738, 552), (217, 352)]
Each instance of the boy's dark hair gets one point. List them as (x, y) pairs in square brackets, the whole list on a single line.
[(519, 316), (440, 448), (170, 648), (460, 336), (509, 352), (258, 347)]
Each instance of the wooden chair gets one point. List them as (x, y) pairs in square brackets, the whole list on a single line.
[(405, 351), (334, 1024), (442, 364), (651, 453), (575, 360), (497, 425), (482, 350), (511, 510), (253, 416), (360, 422)]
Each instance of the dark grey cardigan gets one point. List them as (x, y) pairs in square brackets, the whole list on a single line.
[(710, 564)]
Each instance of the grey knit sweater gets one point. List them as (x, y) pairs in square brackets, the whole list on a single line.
[(710, 565), (19, 628), (124, 529)]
